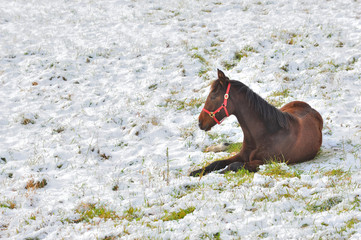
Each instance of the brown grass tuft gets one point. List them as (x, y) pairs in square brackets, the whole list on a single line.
[(32, 185)]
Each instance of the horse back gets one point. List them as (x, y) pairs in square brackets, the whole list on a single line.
[(300, 109)]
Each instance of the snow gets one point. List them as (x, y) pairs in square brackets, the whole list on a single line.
[(96, 98)]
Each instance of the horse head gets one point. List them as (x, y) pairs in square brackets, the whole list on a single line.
[(216, 107)]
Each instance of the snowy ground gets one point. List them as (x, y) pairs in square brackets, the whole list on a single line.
[(98, 119)]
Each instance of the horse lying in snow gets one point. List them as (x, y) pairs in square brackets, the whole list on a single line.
[(292, 133)]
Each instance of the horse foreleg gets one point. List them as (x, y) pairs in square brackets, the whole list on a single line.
[(253, 166), (234, 167), (215, 166)]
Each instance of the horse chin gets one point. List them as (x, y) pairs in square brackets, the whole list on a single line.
[(205, 128)]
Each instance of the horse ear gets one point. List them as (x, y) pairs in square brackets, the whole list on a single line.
[(222, 77)]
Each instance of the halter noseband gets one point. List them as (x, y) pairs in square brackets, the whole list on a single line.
[(224, 106)]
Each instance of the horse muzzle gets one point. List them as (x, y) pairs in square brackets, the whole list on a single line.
[(205, 126)]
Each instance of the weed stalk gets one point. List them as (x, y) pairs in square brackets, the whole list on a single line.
[(167, 155)]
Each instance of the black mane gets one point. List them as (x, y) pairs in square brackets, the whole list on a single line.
[(272, 117)]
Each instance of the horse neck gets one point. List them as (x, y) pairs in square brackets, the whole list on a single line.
[(251, 122)]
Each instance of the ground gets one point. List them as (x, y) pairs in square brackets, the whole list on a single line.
[(98, 119)]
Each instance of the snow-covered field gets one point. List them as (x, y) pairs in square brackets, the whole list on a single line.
[(98, 118)]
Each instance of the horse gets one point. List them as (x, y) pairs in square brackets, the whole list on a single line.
[(292, 133)]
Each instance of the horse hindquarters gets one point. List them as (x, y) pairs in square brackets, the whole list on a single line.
[(309, 139)]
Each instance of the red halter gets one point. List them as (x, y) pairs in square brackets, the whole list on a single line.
[(224, 106)]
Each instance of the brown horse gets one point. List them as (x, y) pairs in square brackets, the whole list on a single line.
[(292, 133)]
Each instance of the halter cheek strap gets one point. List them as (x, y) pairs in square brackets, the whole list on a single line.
[(224, 106)]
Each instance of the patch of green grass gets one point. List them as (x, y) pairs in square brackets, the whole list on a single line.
[(331, 66), (132, 214), (338, 177), (200, 58), (177, 215), (88, 211), (275, 102), (214, 44), (292, 38), (279, 169), (243, 53), (277, 196), (194, 102), (211, 236), (153, 86), (237, 57), (111, 237), (263, 235), (191, 103), (325, 153), (320, 153), (234, 147), (187, 132), (339, 44), (225, 147), (324, 206), (285, 67), (217, 137), (182, 104), (8, 204), (337, 173), (277, 98), (286, 37), (284, 93), (185, 190), (355, 203), (203, 72), (239, 177), (59, 130), (350, 223), (229, 65)]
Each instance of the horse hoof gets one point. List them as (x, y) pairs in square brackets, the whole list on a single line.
[(196, 173)]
